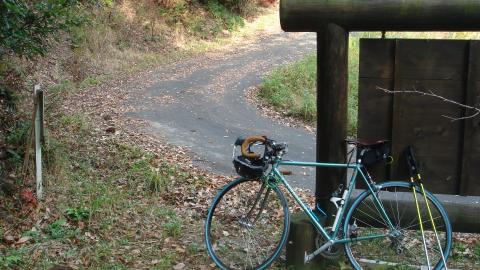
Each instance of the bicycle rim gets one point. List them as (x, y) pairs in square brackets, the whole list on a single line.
[(404, 247), (247, 225)]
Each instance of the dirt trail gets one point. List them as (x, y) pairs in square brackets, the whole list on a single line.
[(200, 102)]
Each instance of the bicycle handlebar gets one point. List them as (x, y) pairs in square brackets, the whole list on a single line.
[(246, 144)]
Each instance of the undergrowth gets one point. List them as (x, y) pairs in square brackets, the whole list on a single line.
[(104, 198), (292, 88)]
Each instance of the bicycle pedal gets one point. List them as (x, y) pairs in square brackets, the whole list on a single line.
[(307, 258)]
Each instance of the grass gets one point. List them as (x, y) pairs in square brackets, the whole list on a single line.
[(291, 89), (173, 227), (100, 200), (476, 251)]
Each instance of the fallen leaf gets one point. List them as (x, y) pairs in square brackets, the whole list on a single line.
[(179, 266), (8, 239), (23, 240)]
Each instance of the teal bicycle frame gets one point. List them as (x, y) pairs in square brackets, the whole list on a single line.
[(332, 238), (375, 196)]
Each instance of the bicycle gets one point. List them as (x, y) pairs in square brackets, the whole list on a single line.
[(248, 222)]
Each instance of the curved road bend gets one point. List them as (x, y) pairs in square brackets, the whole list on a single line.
[(200, 103)]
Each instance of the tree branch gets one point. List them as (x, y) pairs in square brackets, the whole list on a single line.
[(430, 93)]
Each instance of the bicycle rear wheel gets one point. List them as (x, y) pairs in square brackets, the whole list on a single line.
[(247, 225), (403, 248)]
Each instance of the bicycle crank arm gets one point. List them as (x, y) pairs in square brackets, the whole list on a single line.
[(309, 257)]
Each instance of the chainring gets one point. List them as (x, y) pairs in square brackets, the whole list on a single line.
[(331, 253)]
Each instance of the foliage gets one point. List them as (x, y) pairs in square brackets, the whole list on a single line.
[(220, 13), (78, 213), (60, 229), (242, 7), (173, 227), (25, 25), (16, 140), (292, 88), (12, 260), (7, 97)]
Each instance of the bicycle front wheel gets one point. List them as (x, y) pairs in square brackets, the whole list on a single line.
[(247, 225), (395, 217)]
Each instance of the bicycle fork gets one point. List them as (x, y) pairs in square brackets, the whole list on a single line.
[(248, 222)]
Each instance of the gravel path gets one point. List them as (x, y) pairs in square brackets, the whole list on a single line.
[(200, 103)]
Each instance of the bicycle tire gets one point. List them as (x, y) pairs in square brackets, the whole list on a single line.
[(231, 223), (406, 250)]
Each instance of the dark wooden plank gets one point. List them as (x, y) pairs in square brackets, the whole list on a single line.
[(375, 118), (397, 115), (375, 109), (448, 151), (380, 15), (419, 122), (470, 183), (466, 181), (432, 59), (332, 91), (474, 60), (377, 56), (473, 155)]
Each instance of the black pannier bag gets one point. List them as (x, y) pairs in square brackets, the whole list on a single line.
[(373, 154), (249, 168)]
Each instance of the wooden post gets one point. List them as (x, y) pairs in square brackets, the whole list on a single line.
[(38, 139), (301, 239), (380, 15), (332, 76)]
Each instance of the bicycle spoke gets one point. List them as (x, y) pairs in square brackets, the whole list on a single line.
[(247, 225), (404, 245), (370, 216), (423, 222)]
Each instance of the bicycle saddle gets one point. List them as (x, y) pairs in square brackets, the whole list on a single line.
[(366, 143)]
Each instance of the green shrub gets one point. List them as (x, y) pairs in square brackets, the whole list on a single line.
[(78, 213), (173, 227), (230, 21), (16, 140), (12, 260), (60, 229), (7, 96), (26, 25), (242, 7)]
